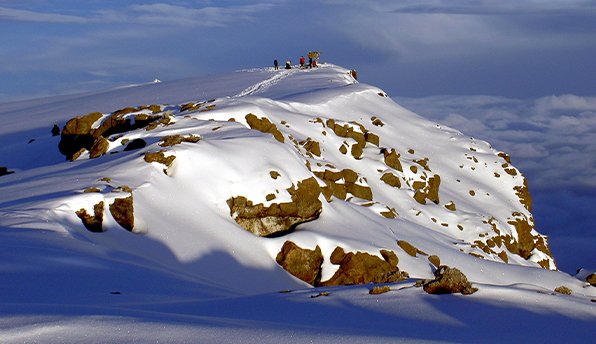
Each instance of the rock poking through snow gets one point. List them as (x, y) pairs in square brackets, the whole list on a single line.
[(302, 263), (277, 218), (362, 268), (449, 281)]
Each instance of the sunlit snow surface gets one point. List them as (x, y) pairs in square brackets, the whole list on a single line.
[(189, 273)]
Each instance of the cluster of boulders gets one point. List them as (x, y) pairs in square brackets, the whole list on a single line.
[(122, 210), (354, 267), (90, 132)]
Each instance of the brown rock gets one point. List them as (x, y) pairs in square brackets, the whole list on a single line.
[(264, 125), (409, 248), (159, 157), (524, 195), (357, 150), (312, 146), (435, 260), (563, 290), (390, 257), (99, 148), (77, 134), (302, 263), (337, 255), (503, 256), (449, 281), (360, 191), (450, 206), (392, 159), (123, 212), (92, 222), (525, 240), (362, 268), (372, 138), (391, 179), (378, 289), (172, 140), (278, 217)]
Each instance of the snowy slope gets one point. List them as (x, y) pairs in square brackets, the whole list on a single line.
[(187, 265)]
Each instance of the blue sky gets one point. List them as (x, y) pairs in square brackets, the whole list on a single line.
[(519, 73), (512, 48)]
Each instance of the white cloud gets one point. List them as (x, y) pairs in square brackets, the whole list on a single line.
[(156, 13), (552, 140), (33, 16)]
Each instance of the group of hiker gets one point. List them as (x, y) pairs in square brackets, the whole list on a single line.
[(312, 61)]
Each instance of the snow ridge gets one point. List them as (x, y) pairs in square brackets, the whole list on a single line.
[(153, 225)]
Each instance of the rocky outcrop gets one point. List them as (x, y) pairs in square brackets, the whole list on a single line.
[(264, 125), (563, 290), (362, 268), (92, 222), (302, 263), (277, 218), (88, 133), (409, 248), (427, 190), (172, 140), (379, 289), (341, 183), (449, 281), (161, 158), (123, 212)]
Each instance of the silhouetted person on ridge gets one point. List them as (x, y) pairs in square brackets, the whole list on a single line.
[(275, 65)]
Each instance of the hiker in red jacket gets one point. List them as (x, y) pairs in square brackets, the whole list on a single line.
[(301, 61)]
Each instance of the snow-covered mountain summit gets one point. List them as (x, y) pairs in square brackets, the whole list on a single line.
[(255, 182)]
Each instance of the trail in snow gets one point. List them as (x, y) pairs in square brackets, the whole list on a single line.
[(265, 84)]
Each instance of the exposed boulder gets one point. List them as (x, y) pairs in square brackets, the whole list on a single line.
[(435, 260), (563, 290), (123, 212), (99, 148), (449, 281), (172, 140), (92, 222), (391, 158), (409, 248), (302, 263), (523, 194), (342, 183), (428, 190), (525, 240), (161, 158), (379, 289), (278, 217), (77, 134), (391, 179), (83, 132), (264, 125), (362, 268)]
